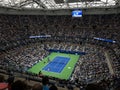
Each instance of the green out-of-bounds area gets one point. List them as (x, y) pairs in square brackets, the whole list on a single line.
[(64, 74)]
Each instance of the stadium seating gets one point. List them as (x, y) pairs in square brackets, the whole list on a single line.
[(18, 52)]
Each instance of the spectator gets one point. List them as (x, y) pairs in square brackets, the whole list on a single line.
[(3, 85), (10, 80), (53, 87), (19, 85), (93, 87), (45, 82), (37, 87), (2, 78)]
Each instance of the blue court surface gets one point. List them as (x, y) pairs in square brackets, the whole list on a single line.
[(57, 64)]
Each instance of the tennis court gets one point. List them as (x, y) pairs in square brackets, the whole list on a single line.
[(57, 64), (60, 65)]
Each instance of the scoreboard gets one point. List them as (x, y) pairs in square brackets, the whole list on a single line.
[(77, 13)]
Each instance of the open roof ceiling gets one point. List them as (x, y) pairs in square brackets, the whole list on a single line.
[(56, 4)]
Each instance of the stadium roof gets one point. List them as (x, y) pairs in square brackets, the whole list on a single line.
[(56, 4)]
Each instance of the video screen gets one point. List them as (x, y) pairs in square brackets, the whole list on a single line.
[(77, 13)]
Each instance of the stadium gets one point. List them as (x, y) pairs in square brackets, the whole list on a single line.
[(59, 44)]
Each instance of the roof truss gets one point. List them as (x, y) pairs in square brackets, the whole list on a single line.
[(51, 4)]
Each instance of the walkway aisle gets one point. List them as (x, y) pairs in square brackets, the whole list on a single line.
[(109, 63)]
